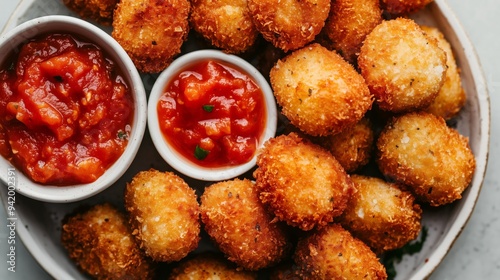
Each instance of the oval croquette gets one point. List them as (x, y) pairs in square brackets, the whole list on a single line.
[(300, 182), (433, 160), (241, 227), (319, 92), (164, 215)]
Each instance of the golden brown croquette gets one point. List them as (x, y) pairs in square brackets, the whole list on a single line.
[(403, 67), (433, 160), (300, 182), (289, 24), (353, 146), (151, 32), (381, 214), (227, 24), (209, 266), (402, 7), (451, 97), (333, 253), (348, 24), (101, 244), (164, 215), (319, 92), (240, 226), (99, 10)]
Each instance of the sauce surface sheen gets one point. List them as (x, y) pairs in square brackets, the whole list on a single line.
[(213, 114), (65, 110)]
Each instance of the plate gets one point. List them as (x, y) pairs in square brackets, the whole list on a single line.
[(39, 223)]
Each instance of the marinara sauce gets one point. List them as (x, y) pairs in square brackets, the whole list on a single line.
[(213, 114), (65, 110)]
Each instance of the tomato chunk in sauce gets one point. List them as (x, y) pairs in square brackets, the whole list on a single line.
[(65, 110), (213, 114)]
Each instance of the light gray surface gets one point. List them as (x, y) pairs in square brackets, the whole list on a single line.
[(475, 254)]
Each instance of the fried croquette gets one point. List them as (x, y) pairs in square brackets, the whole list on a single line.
[(348, 24), (285, 271), (381, 214), (151, 32), (433, 160), (403, 67), (319, 92), (289, 24), (401, 7), (227, 24), (300, 182), (164, 215), (209, 267), (451, 97), (101, 244), (353, 146), (99, 10), (242, 229), (333, 253)]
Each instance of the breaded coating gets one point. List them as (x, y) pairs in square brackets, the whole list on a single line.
[(227, 24), (353, 146), (432, 159), (348, 24), (403, 67), (381, 214), (300, 182), (289, 24), (451, 97), (401, 7), (285, 271), (164, 215), (320, 93), (151, 32), (209, 267), (333, 253), (99, 10), (242, 229), (101, 244)]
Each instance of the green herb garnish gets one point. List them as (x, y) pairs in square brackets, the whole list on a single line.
[(122, 135), (208, 108), (200, 153), (392, 257)]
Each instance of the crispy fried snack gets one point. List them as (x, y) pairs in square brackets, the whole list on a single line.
[(348, 24), (99, 10), (320, 93), (209, 266), (381, 214), (152, 32), (433, 160), (243, 230), (333, 253), (300, 182), (401, 7), (164, 215), (451, 97), (227, 24), (289, 24), (353, 146), (403, 67), (101, 244)]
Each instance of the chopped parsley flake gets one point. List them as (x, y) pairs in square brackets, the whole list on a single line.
[(200, 153)]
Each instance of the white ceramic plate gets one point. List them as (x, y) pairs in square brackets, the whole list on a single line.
[(39, 223)]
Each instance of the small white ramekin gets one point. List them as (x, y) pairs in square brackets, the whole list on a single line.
[(65, 24), (175, 159)]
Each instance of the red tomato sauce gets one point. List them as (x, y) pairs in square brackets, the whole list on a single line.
[(213, 114), (65, 110)]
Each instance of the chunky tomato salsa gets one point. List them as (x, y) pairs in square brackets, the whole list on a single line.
[(213, 114), (65, 110)]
